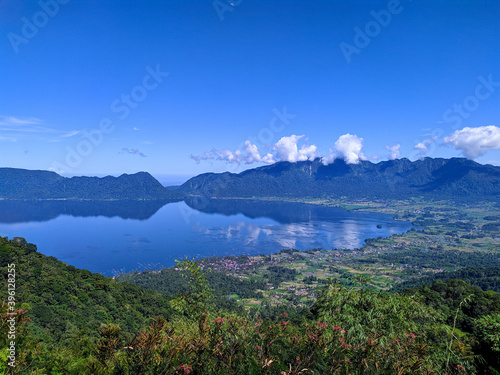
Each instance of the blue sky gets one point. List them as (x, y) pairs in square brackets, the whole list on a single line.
[(186, 87)]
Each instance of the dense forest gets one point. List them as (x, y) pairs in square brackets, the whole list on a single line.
[(168, 283), (64, 301), (38, 185), (485, 278), (455, 178), (436, 178), (436, 258), (71, 321)]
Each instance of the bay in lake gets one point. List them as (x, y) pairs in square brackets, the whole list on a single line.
[(116, 237)]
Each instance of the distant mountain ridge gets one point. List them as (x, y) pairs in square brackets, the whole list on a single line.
[(35, 184), (440, 178), (437, 178)]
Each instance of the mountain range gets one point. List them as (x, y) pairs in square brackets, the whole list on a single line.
[(35, 184), (401, 178), (437, 178)]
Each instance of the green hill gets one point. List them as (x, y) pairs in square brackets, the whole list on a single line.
[(64, 301), (71, 321), (33, 185), (485, 278), (455, 178)]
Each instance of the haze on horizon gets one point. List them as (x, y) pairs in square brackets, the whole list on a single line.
[(186, 87)]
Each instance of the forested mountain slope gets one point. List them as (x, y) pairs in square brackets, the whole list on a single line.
[(64, 301), (28, 184), (84, 323), (437, 178), (455, 178)]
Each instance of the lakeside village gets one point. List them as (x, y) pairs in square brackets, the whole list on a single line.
[(313, 267)]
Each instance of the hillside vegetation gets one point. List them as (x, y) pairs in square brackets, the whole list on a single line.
[(70, 321), (64, 301), (455, 178), (401, 178), (36, 185)]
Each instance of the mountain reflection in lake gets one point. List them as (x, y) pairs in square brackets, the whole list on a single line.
[(24, 211), (111, 237)]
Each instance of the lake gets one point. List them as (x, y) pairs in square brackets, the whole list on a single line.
[(116, 237)]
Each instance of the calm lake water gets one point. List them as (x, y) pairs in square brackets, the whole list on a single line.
[(112, 237)]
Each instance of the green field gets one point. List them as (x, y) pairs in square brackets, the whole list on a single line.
[(450, 236)]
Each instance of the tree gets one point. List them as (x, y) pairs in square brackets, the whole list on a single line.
[(197, 300)]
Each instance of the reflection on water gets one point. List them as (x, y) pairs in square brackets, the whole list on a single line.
[(26, 211), (326, 228), (124, 236), (281, 212), (297, 225), (346, 234)]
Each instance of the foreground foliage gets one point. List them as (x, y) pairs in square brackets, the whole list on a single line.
[(66, 303), (347, 331)]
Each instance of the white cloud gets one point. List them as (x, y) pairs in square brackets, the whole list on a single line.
[(474, 142), (395, 153), (249, 155), (349, 148), (328, 159), (23, 125), (286, 149), (224, 155), (205, 156), (8, 139), (252, 153), (268, 158), (71, 134), (308, 152), (133, 151), (30, 127), (424, 146), (11, 120)]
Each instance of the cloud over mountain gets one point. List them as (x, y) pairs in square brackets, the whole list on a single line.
[(424, 146), (347, 147), (471, 142), (395, 153), (474, 142), (250, 154), (287, 150)]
